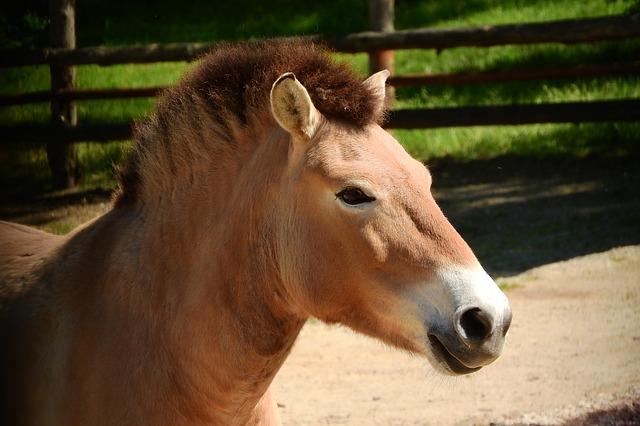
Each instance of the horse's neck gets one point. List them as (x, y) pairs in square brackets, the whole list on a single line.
[(201, 286)]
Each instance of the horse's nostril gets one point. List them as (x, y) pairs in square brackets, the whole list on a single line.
[(476, 325)]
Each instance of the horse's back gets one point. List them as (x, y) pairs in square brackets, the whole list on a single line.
[(16, 238), (22, 250)]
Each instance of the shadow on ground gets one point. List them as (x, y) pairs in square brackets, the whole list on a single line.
[(519, 213), (57, 212), (617, 416)]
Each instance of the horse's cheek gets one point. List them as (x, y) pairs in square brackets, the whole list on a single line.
[(378, 247)]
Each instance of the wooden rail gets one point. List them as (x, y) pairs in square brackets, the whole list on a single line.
[(406, 80), (568, 31), (40, 133), (566, 112), (107, 55), (79, 95)]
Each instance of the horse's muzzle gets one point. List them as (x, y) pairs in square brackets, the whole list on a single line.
[(475, 339)]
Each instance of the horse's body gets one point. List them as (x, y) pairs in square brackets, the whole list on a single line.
[(246, 207), (76, 357)]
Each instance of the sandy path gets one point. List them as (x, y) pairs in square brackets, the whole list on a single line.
[(574, 346)]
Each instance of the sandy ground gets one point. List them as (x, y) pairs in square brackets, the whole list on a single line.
[(574, 347)]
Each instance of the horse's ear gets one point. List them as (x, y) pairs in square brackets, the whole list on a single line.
[(376, 84), (292, 108)]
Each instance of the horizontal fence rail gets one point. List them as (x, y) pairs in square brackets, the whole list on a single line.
[(79, 95), (494, 76), (40, 133), (107, 55), (568, 31), (406, 80), (566, 112)]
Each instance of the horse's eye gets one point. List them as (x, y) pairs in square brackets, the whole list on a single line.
[(354, 196)]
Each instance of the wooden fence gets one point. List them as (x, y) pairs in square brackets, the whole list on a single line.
[(380, 45)]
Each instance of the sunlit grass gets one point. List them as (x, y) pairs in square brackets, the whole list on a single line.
[(99, 161), (482, 12), (565, 90), (537, 141)]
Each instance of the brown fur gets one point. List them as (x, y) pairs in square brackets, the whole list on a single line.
[(232, 86)]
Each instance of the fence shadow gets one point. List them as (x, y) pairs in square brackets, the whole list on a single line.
[(519, 213)]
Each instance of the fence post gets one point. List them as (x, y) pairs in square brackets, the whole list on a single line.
[(381, 16), (62, 156)]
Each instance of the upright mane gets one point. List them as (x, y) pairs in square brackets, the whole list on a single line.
[(229, 90)]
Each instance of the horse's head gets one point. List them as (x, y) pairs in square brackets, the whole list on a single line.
[(362, 242)]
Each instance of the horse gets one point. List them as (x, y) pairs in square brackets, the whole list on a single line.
[(261, 191)]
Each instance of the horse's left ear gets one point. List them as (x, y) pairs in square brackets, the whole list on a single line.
[(376, 84), (292, 107)]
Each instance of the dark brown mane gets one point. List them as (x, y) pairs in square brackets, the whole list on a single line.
[(234, 81)]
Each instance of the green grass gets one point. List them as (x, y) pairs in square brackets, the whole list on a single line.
[(481, 12), (508, 285), (199, 20), (535, 141), (24, 168), (17, 80)]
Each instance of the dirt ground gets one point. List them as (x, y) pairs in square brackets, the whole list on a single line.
[(573, 353), (573, 348)]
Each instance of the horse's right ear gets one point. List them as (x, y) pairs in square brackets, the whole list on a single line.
[(376, 84), (292, 107)]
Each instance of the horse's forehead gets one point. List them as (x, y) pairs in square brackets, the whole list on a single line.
[(369, 149)]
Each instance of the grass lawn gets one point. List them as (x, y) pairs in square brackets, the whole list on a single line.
[(198, 20)]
